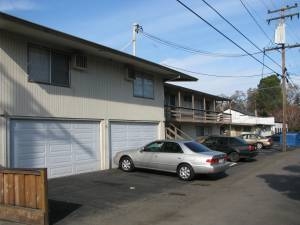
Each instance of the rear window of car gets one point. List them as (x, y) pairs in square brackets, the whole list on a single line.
[(237, 141), (196, 147)]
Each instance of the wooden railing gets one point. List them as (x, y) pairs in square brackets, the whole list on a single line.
[(173, 132), (23, 196), (182, 114)]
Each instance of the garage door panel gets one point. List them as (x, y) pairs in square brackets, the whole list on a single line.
[(62, 126), (126, 136), (60, 171), (83, 168), (64, 147), (58, 160), (38, 125), (29, 162), (29, 136), (59, 149)]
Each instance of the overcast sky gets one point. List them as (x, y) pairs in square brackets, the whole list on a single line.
[(109, 22)]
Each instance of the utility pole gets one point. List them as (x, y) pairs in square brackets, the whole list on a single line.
[(280, 40), (135, 30)]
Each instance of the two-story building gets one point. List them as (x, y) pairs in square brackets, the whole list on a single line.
[(192, 114), (69, 104), (245, 123)]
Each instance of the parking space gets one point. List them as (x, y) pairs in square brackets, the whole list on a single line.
[(108, 195), (99, 192)]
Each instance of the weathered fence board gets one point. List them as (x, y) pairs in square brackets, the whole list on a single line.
[(23, 196)]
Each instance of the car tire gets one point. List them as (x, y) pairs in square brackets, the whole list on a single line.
[(126, 164), (259, 146), (234, 156), (185, 172)]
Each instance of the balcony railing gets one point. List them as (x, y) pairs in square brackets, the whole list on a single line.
[(182, 114)]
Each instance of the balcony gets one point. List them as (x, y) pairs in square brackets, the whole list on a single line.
[(182, 114)]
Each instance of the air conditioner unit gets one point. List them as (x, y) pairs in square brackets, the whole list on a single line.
[(80, 62), (129, 73)]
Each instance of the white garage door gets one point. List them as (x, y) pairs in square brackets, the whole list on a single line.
[(64, 147), (126, 136)]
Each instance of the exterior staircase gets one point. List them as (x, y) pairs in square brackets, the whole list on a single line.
[(174, 133)]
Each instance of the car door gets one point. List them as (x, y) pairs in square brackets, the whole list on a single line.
[(210, 143), (168, 158), (147, 154), (222, 145), (252, 139)]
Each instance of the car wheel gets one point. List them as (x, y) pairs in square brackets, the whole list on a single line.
[(185, 172), (259, 146), (126, 164), (234, 157)]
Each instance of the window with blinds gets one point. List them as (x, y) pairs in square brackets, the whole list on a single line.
[(143, 86), (48, 66)]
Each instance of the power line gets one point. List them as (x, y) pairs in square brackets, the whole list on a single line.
[(256, 22), (234, 27), (220, 32), (214, 75), (191, 50)]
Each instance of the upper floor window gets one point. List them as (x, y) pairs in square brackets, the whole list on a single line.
[(143, 86), (48, 66)]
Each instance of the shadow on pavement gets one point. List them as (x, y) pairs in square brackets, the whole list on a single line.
[(59, 210), (288, 185), (293, 168)]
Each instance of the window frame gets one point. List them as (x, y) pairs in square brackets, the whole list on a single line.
[(50, 50), (143, 77), (163, 149), (145, 148)]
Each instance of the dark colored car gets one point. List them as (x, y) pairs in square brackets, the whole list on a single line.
[(236, 148)]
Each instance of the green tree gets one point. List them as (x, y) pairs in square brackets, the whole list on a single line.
[(269, 96)]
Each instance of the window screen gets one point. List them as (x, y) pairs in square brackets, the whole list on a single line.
[(39, 64), (60, 69), (143, 87), (47, 66)]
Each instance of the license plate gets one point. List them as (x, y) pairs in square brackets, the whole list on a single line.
[(221, 160)]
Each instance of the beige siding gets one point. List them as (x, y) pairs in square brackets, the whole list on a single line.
[(100, 93)]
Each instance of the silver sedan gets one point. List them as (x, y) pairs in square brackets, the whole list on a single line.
[(186, 158)]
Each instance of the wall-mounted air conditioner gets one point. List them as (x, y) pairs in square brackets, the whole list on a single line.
[(79, 62), (129, 73)]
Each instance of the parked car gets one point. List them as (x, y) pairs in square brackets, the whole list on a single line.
[(186, 158), (236, 148), (259, 141), (275, 137)]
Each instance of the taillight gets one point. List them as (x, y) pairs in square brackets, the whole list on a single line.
[(270, 140), (251, 148), (212, 161)]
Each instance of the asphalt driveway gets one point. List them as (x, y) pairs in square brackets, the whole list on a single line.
[(257, 186), (84, 195)]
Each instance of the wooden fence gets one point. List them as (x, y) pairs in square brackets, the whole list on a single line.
[(23, 196)]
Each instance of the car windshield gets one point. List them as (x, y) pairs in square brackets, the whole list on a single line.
[(196, 147)]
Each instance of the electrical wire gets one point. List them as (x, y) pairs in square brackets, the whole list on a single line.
[(234, 27), (221, 33), (256, 22), (191, 50), (214, 75)]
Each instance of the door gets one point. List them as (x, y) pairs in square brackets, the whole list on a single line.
[(148, 154), (168, 158), (64, 147), (129, 135)]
